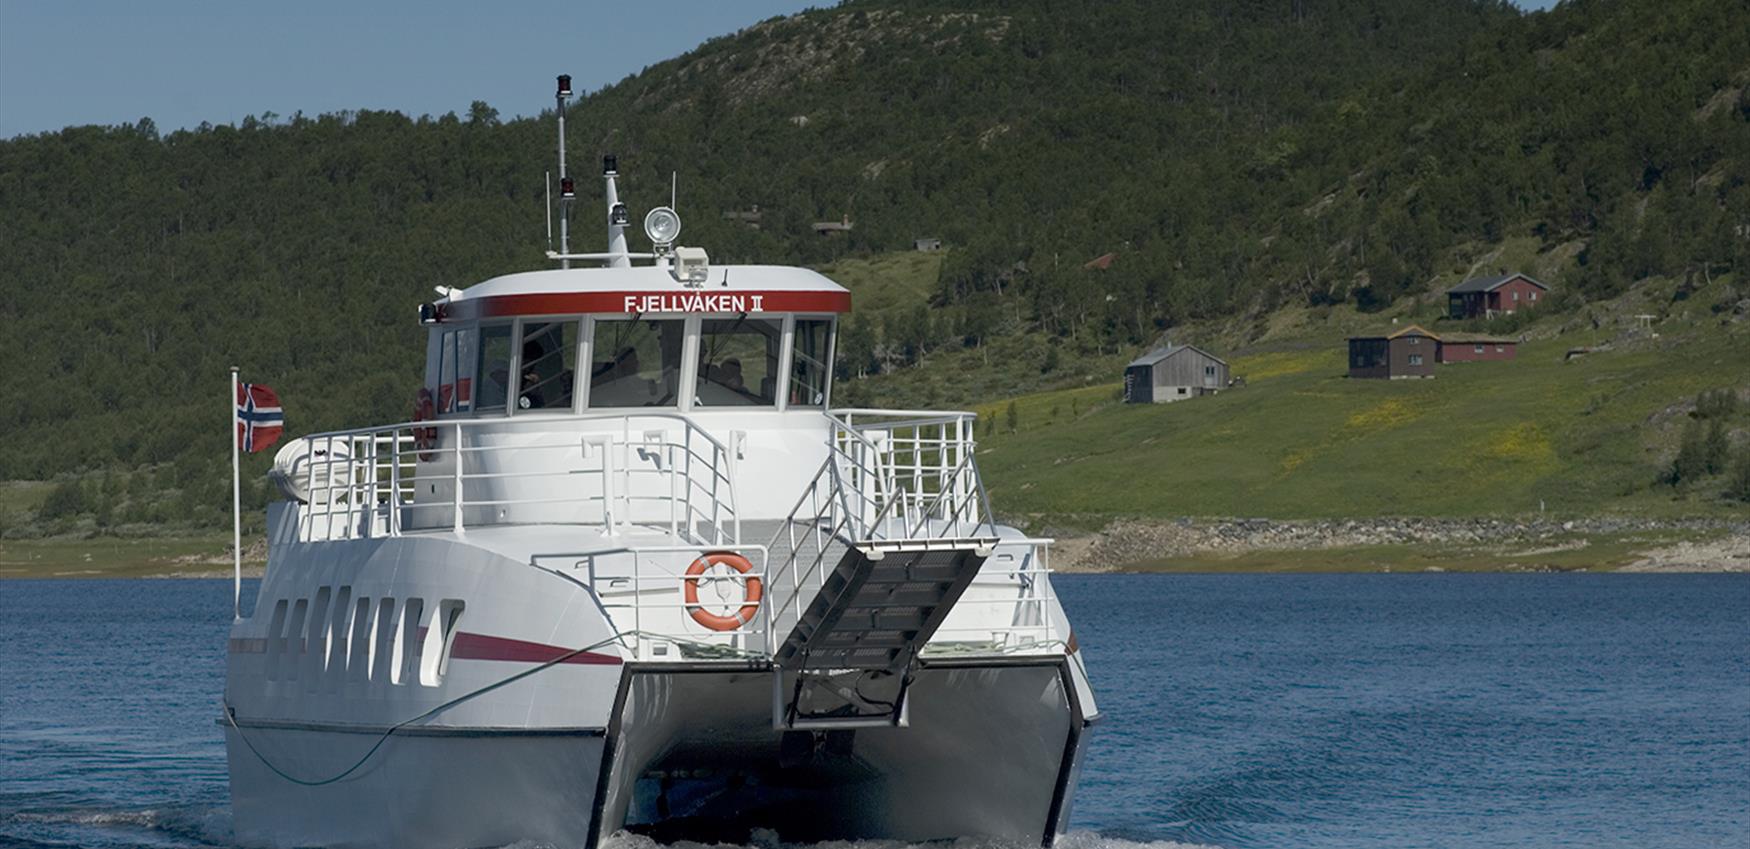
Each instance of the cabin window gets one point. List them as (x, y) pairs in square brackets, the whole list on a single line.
[(494, 368), (1534, 296), (548, 366), (1415, 359), (811, 362), (1479, 349), (1515, 296), (738, 362), (637, 363), (1500, 349)]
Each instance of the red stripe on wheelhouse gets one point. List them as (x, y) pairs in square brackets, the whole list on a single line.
[(678, 301), (483, 647)]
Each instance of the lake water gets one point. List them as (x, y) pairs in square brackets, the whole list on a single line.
[(1241, 711)]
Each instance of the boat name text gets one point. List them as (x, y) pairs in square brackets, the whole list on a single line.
[(688, 302)]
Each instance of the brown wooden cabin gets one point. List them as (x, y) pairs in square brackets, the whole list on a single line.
[(1410, 352)]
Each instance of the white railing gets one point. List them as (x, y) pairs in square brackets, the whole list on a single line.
[(644, 469), (986, 621), (642, 590), (906, 470), (890, 476)]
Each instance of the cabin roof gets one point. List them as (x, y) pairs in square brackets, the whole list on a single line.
[(1160, 354), (648, 288), (1489, 284)]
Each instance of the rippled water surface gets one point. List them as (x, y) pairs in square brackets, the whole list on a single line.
[(1240, 711)]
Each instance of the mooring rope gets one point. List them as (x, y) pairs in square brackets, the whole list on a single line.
[(231, 716)]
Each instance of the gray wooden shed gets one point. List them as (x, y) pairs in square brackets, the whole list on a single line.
[(1174, 373)]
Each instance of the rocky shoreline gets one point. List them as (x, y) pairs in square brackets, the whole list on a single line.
[(1716, 544)]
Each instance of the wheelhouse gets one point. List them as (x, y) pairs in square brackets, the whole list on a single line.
[(573, 341)]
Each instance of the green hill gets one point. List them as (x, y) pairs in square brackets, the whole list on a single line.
[(1589, 436), (1261, 173)]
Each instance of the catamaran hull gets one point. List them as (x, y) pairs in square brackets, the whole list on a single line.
[(467, 787), (990, 751)]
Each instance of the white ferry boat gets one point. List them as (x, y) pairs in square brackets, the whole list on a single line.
[(628, 569)]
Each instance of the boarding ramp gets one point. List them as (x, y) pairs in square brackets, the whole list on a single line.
[(883, 542)]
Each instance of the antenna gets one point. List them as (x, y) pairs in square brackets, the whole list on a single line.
[(548, 183), (566, 194), (674, 180)]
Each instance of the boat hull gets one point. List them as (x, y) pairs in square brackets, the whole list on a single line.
[(464, 787), (989, 751)]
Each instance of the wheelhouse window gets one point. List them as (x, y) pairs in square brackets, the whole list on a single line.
[(446, 388), (637, 363), (738, 362), (494, 368), (548, 368), (811, 363)]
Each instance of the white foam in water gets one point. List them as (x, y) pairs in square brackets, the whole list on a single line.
[(206, 825), (769, 840)]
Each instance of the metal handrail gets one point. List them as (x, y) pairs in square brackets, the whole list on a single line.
[(359, 492)]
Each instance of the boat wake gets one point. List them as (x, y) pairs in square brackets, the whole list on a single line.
[(173, 827), (769, 840), (206, 827)]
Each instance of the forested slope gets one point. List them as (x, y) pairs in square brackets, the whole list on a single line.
[(1236, 157)]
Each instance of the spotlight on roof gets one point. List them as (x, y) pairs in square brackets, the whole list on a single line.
[(662, 225)]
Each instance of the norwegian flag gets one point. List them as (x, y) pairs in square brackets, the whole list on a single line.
[(259, 420)]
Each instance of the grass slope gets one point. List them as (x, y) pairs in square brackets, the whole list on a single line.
[(1301, 440)]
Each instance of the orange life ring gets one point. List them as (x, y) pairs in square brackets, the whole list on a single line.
[(750, 595), (424, 438)]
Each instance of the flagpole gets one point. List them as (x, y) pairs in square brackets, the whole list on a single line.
[(236, 509)]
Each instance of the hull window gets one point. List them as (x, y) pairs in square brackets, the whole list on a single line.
[(358, 661), (549, 366), (434, 660), (406, 660), (738, 362), (638, 363)]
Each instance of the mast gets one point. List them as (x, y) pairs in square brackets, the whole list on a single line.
[(617, 215), (566, 190)]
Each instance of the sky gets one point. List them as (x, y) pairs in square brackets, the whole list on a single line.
[(181, 62), (67, 62)]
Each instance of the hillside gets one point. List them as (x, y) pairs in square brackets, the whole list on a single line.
[(1540, 436), (1264, 176)]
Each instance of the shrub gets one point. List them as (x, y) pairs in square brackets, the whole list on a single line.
[(1738, 485), (68, 498), (1715, 447), (1716, 404)]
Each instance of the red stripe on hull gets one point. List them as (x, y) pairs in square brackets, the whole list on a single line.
[(473, 647), (483, 647)]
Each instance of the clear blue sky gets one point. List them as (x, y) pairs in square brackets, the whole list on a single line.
[(68, 62)]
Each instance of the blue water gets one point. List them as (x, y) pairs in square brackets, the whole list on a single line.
[(1240, 711)]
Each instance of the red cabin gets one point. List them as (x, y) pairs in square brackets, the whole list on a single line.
[(1487, 296)]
